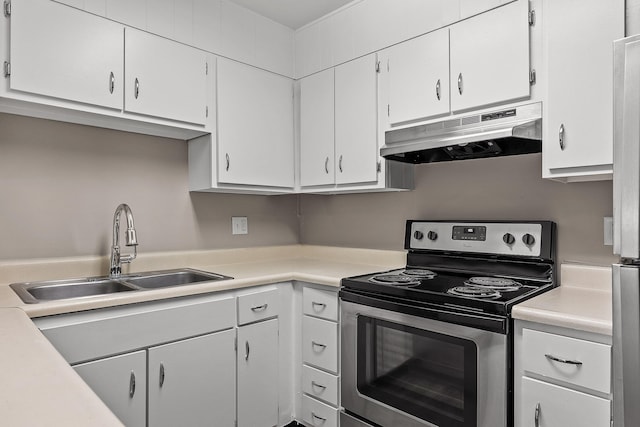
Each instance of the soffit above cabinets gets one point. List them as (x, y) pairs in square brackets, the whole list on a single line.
[(292, 13)]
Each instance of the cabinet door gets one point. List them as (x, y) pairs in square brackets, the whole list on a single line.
[(258, 374), (317, 129), (556, 406), (121, 383), (164, 78), (356, 121), (418, 73), (490, 57), (577, 45), (255, 126), (192, 382), (62, 52)]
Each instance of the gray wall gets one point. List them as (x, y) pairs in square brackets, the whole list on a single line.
[(60, 184), (500, 188)]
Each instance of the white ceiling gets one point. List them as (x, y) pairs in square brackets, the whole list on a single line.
[(292, 13)]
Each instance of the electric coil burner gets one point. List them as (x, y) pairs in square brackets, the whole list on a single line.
[(431, 343)]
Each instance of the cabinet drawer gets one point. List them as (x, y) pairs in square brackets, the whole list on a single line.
[(320, 343), (323, 304), (319, 414), (552, 356), (320, 385), (258, 306), (559, 406)]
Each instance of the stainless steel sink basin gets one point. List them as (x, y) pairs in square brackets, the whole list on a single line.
[(63, 289), (169, 278), (34, 292)]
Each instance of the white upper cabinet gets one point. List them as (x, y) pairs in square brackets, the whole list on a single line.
[(171, 85), (317, 129), (339, 132), (61, 52), (418, 77), (356, 121), (490, 58), (578, 114), (255, 126)]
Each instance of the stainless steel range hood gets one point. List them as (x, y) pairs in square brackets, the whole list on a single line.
[(504, 132)]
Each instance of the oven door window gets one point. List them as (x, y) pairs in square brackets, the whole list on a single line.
[(429, 375)]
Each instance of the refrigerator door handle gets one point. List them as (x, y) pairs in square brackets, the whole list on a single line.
[(626, 156)]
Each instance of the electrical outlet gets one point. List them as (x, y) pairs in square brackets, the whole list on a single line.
[(608, 231), (239, 225)]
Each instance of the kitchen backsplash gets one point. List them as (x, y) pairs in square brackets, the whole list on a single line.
[(61, 183), (507, 188)]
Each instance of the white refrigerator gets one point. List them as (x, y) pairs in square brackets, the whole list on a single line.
[(626, 211)]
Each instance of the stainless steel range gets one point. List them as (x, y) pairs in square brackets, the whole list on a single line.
[(431, 344)]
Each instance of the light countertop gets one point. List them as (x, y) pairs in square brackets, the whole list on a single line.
[(583, 302), (36, 376), (39, 374)]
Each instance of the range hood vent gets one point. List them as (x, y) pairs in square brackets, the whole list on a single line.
[(507, 132)]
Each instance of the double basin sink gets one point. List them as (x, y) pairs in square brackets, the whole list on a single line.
[(34, 292)]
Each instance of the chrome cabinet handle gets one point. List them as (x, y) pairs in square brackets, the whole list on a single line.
[(136, 90), (247, 349), (260, 307), (228, 161), (315, 384), (460, 84), (314, 416), (318, 304), (561, 137), (340, 164), (132, 385), (438, 90), (536, 416), (316, 344), (326, 164), (112, 82), (561, 360), (161, 374)]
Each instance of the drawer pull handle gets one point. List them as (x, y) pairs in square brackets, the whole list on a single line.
[(536, 416), (314, 416), (161, 374), (316, 344), (315, 384), (318, 304), (260, 307), (132, 385), (247, 350), (567, 361)]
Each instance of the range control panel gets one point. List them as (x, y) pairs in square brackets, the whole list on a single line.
[(519, 239)]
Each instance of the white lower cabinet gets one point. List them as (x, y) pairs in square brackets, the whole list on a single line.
[(549, 405), (320, 357), (121, 383), (191, 382), (316, 413), (257, 361), (562, 377)]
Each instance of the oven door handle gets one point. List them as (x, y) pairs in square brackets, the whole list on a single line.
[(484, 321)]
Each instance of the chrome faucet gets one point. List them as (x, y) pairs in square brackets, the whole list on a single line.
[(132, 240)]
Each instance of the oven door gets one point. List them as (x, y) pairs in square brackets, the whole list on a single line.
[(404, 370)]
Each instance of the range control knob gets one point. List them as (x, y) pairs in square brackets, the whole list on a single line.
[(508, 239), (432, 235), (528, 239), (418, 235)]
